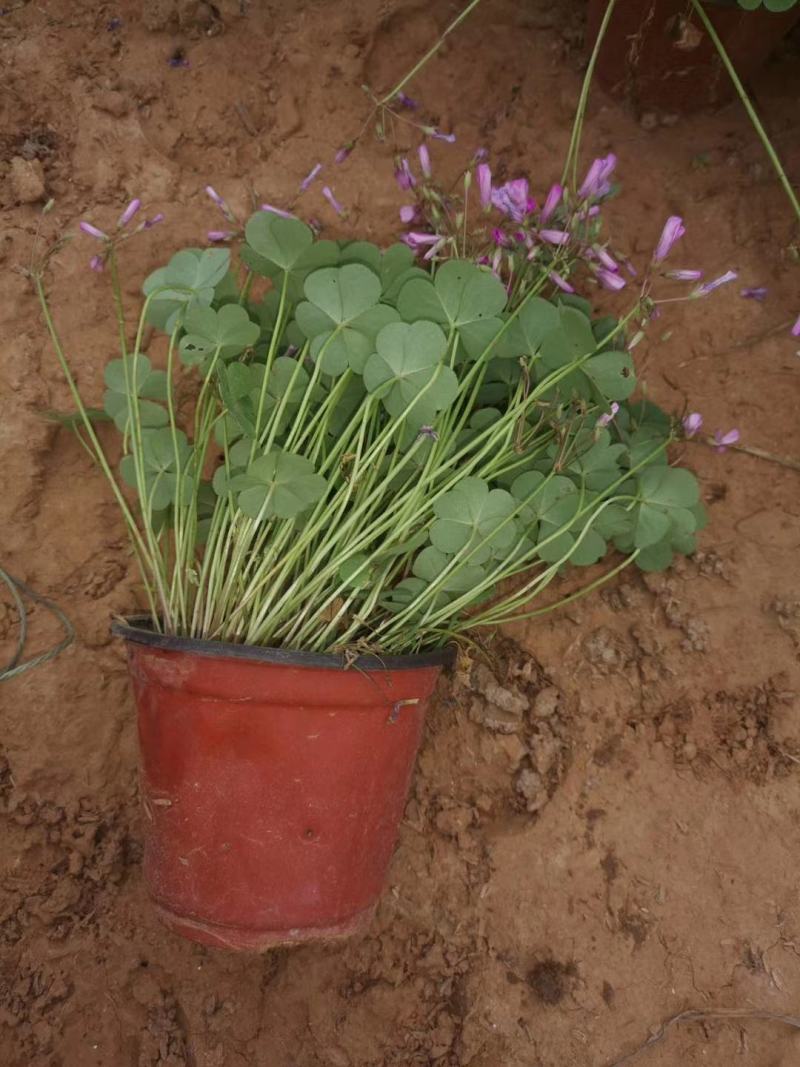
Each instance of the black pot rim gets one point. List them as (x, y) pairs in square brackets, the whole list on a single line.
[(139, 629)]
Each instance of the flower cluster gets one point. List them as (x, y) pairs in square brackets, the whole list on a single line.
[(119, 234)]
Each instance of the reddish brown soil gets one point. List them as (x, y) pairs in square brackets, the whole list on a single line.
[(619, 846)]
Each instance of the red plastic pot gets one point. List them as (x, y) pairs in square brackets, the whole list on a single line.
[(657, 54), (273, 783)]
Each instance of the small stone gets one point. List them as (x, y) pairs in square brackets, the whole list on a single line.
[(512, 703), (530, 786), (690, 751), (649, 120), (453, 821), (27, 180), (546, 702)]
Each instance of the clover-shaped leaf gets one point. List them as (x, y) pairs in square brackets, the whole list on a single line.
[(166, 461), (535, 320), (431, 564), (146, 384), (461, 293), (190, 277), (474, 519), (612, 374), (570, 340), (407, 374), (397, 266), (363, 252), (228, 330), (667, 497), (278, 485), (281, 242), (238, 459), (551, 503)]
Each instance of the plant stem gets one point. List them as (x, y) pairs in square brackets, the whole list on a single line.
[(751, 111)]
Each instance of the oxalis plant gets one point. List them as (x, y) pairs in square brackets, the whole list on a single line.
[(351, 448)]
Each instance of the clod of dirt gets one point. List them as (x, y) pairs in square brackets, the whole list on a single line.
[(551, 980), (26, 179), (531, 787), (546, 703)]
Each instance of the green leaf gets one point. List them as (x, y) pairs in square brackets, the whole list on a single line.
[(552, 503), (431, 563), (407, 374), (161, 460), (343, 293), (667, 496), (281, 242), (536, 319), (470, 514), (655, 557), (229, 329), (461, 293), (149, 385), (612, 374), (351, 345), (363, 252), (571, 340), (279, 485), (403, 594)]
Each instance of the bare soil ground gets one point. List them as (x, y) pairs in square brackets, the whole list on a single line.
[(604, 828)]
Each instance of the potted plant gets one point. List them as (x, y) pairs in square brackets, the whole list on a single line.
[(659, 57), (348, 460)]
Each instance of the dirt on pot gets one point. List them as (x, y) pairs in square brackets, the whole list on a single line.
[(603, 827)]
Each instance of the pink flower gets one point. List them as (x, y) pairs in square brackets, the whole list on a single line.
[(692, 423), (327, 192), (221, 204), (596, 183), (97, 263), (672, 232), (343, 152), (552, 202), (277, 211), (406, 101), (93, 231), (404, 176), (148, 224), (684, 275), (418, 241), (513, 199), (485, 185), (129, 212), (562, 283), (554, 237), (408, 213), (724, 439), (610, 280), (309, 178), (605, 419), (432, 131), (796, 328), (424, 160), (499, 238), (608, 261), (219, 235), (709, 287)]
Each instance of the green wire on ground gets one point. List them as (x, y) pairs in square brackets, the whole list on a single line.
[(16, 665)]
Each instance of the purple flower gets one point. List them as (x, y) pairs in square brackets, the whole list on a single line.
[(219, 235), (554, 237), (692, 423), (513, 199), (406, 101), (596, 183), (796, 328), (499, 238), (404, 176), (424, 160), (220, 202), (722, 440), (709, 287), (437, 135), (304, 184), (93, 231), (327, 192), (114, 24), (684, 275), (129, 212), (608, 261), (148, 224), (562, 283), (434, 249), (605, 419), (759, 293), (278, 211), (343, 152), (97, 263), (418, 240), (408, 212), (552, 202), (480, 155), (485, 185), (672, 232), (611, 280)]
